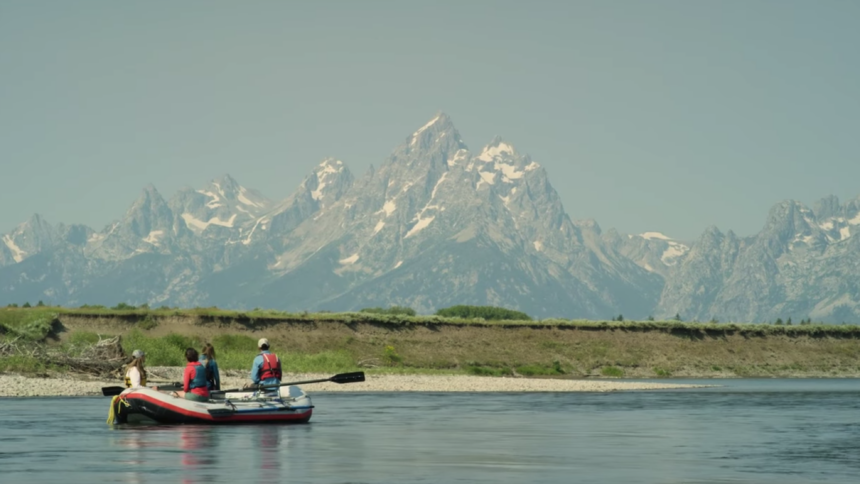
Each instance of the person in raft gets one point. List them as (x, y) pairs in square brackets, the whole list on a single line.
[(194, 384), (207, 359), (266, 369), (135, 373)]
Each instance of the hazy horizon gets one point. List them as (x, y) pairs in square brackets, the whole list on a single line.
[(667, 116)]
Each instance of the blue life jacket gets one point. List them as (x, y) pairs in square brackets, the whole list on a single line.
[(199, 380)]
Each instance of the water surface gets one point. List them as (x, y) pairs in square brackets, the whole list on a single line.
[(746, 431)]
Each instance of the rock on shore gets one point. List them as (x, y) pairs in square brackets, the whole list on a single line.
[(22, 386)]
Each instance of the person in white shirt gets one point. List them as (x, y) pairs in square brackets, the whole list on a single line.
[(135, 373)]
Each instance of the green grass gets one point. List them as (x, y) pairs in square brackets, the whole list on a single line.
[(271, 316), (612, 371), (27, 324), (24, 364), (662, 372), (233, 352)]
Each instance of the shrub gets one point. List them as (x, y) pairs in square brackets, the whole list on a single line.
[(122, 306), (390, 356), (26, 305), (40, 304), (28, 325), (148, 323), (394, 310), (490, 313), (662, 372), (612, 371)]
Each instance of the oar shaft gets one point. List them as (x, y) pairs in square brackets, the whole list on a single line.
[(260, 387)]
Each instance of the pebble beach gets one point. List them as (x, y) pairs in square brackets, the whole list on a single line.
[(26, 386)]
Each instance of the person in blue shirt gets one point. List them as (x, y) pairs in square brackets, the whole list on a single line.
[(207, 359), (266, 369)]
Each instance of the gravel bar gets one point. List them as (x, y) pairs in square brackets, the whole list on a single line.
[(22, 386)]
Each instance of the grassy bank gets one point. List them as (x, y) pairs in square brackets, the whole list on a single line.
[(335, 342)]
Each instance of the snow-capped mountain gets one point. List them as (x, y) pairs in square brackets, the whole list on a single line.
[(435, 225), (804, 263)]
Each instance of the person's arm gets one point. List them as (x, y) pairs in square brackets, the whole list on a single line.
[(187, 377), (134, 377), (255, 369)]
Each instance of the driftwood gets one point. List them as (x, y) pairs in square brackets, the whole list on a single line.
[(103, 359)]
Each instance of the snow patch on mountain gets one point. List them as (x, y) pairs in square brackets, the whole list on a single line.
[(538, 245), (17, 254), (261, 220), (388, 207), (216, 200), (378, 227), (418, 227), (153, 237), (459, 156), (245, 200), (673, 252), (350, 260), (193, 223), (490, 152), (654, 235), (855, 220), (844, 233), (487, 177)]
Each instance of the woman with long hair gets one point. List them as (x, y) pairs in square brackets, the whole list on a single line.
[(207, 359), (135, 372)]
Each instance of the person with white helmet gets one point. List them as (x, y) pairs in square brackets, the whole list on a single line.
[(266, 369)]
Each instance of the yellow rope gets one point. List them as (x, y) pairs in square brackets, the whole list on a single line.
[(112, 411), (114, 408)]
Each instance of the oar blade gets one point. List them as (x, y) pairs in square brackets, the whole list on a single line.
[(348, 377), (111, 391)]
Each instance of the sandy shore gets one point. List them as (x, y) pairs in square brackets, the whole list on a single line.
[(21, 386)]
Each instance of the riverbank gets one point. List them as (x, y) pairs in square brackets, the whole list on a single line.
[(385, 344), (77, 385)]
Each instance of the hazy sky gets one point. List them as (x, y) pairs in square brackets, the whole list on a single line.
[(667, 116)]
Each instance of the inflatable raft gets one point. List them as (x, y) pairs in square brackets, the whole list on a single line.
[(290, 405)]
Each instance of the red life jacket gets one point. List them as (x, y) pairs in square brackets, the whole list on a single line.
[(271, 367)]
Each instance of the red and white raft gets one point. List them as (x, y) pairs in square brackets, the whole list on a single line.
[(290, 405)]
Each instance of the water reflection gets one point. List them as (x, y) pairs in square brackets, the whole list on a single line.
[(269, 439), (199, 456)]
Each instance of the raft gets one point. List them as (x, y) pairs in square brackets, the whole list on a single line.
[(290, 405)]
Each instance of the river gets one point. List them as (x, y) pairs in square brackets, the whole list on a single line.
[(745, 431)]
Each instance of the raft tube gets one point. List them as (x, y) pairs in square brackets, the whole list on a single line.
[(161, 407)]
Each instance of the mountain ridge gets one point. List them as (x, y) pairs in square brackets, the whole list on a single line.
[(433, 225)]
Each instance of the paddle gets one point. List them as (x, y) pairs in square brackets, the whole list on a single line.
[(111, 391), (341, 378)]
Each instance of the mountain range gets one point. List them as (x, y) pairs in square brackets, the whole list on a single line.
[(435, 225)]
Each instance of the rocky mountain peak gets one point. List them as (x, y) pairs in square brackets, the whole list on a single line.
[(28, 238), (330, 180), (827, 207)]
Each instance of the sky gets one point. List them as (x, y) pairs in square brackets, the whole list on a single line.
[(666, 116)]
